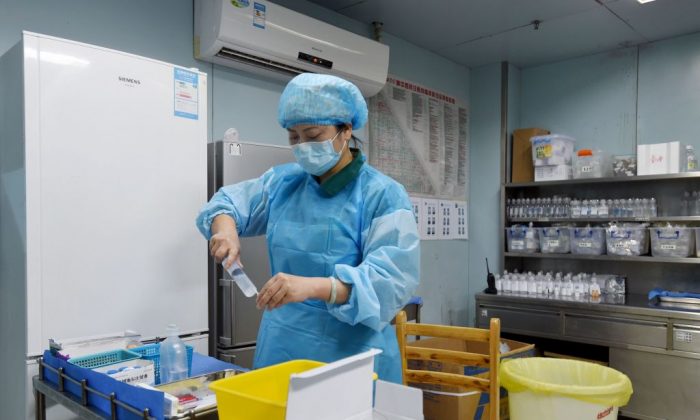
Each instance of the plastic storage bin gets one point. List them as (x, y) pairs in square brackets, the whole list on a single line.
[(552, 173), (627, 240), (152, 352), (676, 242), (552, 149), (554, 240), (591, 164), (588, 241), (106, 358), (522, 239), (554, 389), (259, 394)]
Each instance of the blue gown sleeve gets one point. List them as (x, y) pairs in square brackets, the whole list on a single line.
[(246, 202), (388, 275)]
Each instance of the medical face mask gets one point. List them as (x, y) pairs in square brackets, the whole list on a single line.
[(317, 157)]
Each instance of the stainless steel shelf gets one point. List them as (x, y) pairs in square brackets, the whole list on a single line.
[(644, 178), (606, 219), (615, 258)]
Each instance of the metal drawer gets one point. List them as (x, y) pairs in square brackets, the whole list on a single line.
[(616, 330), (686, 338), (518, 320)]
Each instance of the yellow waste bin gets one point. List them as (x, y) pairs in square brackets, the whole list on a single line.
[(543, 389)]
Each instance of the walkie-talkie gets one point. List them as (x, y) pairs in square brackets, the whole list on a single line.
[(490, 281)]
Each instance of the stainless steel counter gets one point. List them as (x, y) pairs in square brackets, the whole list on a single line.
[(633, 304)]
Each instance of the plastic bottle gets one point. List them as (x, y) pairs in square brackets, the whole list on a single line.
[(603, 210), (173, 357), (653, 207), (594, 287), (691, 163), (575, 208), (499, 284), (685, 204), (550, 284)]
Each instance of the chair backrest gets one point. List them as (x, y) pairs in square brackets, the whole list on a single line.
[(485, 383)]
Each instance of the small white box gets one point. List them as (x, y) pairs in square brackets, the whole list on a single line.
[(553, 173), (659, 158)]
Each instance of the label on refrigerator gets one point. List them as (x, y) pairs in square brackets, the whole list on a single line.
[(186, 97)]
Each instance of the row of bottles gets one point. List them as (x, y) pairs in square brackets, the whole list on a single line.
[(565, 207), (577, 286), (690, 203)]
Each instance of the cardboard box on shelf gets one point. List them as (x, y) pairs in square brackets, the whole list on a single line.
[(442, 402), (522, 169)]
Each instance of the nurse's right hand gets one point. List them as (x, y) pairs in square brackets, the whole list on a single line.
[(224, 243)]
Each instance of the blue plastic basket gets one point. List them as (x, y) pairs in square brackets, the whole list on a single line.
[(152, 352), (107, 358)]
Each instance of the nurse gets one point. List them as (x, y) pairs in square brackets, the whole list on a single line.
[(343, 243)]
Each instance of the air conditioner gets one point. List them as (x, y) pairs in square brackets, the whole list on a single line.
[(266, 38)]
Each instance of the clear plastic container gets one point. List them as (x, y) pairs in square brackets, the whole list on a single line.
[(173, 357), (678, 242), (522, 239), (588, 241), (624, 165), (552, 149), (628, 240), (554, 240), (592, 164)]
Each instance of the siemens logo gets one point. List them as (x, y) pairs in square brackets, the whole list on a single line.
[(129, 80)]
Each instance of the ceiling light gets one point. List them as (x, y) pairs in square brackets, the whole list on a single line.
[(644, 1)]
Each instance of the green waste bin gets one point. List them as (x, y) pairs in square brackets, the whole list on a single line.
[(543, 389)]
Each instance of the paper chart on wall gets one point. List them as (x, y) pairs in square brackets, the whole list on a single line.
[(419, 137)]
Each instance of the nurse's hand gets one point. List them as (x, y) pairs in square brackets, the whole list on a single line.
[(285, 288), (224, 242)]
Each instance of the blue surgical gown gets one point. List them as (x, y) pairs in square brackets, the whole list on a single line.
[(365, 236)]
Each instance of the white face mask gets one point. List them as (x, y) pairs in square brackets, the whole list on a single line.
[(317, 157)]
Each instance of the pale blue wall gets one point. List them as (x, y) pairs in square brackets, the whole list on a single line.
[(619, 99), (669, 91), (592, 99), (485, 161)]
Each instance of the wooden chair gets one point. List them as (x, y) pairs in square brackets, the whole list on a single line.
[(483, 382)]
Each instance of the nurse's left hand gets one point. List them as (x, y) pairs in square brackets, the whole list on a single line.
[(284, 288)]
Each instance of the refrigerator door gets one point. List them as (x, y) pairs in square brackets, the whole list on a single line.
[(115, 175), (237, 317), (241, 356)]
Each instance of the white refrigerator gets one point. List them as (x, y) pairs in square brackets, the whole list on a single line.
[(103, 163)]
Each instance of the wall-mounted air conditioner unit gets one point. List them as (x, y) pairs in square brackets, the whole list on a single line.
[(266, 38)]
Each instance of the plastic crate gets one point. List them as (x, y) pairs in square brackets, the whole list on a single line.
[(106, 358), (152, 352), (552, 149), (628, 240), (678, 242), (522, 239), (554, 240), (259, 394), (588, 241)]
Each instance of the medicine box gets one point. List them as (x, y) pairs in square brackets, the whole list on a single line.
[(552, 149), (553, 173), (659, 158), (131, 372)]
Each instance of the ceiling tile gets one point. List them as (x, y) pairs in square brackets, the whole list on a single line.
[(576, 35), (660, 19)]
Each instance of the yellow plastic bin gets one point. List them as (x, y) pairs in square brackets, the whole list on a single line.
[(259, 394), (554, 389)]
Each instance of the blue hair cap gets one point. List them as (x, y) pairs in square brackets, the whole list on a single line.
[(321, 99)]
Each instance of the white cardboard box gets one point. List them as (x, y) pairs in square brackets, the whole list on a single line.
[(313, 395), (553, 173), (659, 158)]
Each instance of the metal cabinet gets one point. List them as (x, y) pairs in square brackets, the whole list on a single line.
[(616, 331)]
